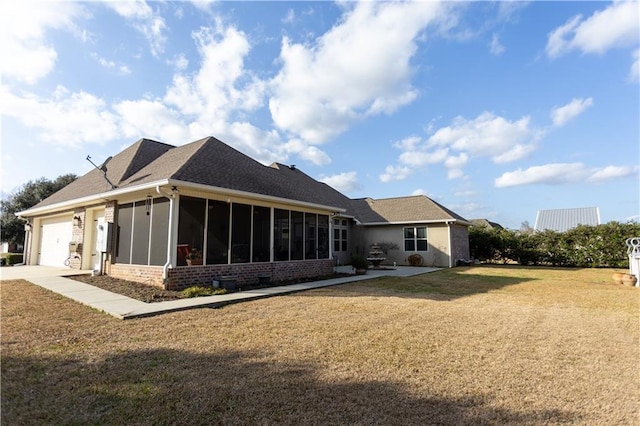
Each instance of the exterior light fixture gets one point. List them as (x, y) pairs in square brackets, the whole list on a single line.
[(77, 221)]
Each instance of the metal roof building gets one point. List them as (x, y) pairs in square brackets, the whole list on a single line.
[(562, 220)]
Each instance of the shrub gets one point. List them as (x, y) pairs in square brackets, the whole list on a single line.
[(359, 262), (583, 246), (13, 258), (198, 291)]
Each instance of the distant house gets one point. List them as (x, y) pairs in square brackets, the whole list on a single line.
[(485, 223), (155, 208), (6, 247), (562, 220)]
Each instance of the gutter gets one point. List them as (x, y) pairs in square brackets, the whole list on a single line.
[(83, 201), (409, 222), (110, 195)]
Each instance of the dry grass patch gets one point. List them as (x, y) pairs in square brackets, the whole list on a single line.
[(488, 345)]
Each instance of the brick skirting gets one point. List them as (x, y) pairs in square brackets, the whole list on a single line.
[(246, 274)]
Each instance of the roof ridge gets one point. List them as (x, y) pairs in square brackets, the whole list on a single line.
[(134, 168), (192, 157)]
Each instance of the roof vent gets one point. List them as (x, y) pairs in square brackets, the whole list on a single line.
[(292, 167)]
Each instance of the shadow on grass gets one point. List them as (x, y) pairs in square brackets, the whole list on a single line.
[(445, 285), (177, 387)]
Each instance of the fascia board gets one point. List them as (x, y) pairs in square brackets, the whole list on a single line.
[(409, 222)]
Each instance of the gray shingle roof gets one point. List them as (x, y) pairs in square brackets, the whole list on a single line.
[(212, 163), (121, 166), (402, 209), (485, 223), (562, 220)]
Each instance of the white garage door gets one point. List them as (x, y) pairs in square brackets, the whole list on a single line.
[(54, 241)]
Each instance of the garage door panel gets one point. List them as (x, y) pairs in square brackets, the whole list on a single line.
[(54, 242)]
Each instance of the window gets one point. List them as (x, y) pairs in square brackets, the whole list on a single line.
[(340, 235), (415, 238)]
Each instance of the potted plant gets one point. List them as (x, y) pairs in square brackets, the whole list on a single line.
[(360, 264), (194, 257)]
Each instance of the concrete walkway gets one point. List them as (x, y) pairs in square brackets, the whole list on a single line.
[(125, 307)]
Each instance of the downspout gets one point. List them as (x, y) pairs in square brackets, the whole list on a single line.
[(450, 244), (167, 265)]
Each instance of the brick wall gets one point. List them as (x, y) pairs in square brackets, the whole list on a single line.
[(151, 275), (185, 276)]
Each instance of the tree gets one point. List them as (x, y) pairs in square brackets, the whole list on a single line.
[(26, 197)]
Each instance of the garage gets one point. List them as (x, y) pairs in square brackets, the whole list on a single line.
[(55, 235)]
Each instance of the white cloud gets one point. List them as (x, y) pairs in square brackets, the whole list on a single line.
[(343, 182), (210, 94), (27, 54), (408, 144), (488, 135), (179, 62), (358, 68), (392, 173), (562, 173), (455, 174), (496, 48), (454, 164), (612, 172), (558, 173), (419, 191), (64, 119), (616, 26), (307, 152), (289, 17), (421, 158), (153, 119), (203, 5), (561, 115), (144, 20), (120, 68)]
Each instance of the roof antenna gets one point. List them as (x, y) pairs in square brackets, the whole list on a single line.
[(103, 169)]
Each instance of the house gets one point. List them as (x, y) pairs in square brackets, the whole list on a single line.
[(562, 220), (143, 213), (485, 223)]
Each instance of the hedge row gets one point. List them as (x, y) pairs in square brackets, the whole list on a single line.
[(583, 246)]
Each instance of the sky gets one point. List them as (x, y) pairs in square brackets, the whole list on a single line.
[(493, 109)]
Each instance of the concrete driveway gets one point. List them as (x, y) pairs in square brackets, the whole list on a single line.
[(25, 272)]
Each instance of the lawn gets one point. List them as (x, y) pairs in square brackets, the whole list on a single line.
[(480, 345)]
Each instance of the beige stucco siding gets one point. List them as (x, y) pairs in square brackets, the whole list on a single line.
[(437, 239)]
